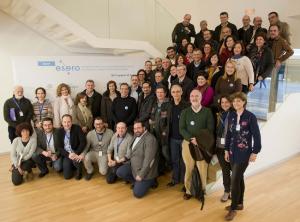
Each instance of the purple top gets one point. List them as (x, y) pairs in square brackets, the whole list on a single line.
[(207, 95)]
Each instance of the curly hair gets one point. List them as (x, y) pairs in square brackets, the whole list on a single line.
[(60, 86), (24, 126)]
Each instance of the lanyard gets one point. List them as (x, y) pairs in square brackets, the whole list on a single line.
[(48, 141), (17, 104), (99, 136), (120, 140), (41, 109)]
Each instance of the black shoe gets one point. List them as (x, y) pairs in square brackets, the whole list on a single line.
[(171, 184), (131, 186), (88, 176), (187, 196), (183, 189), (155, 185), (42, 174), (78, 176)]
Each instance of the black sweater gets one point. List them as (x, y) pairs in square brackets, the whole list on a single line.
[(124, 110), (11, 106), (95, 103)]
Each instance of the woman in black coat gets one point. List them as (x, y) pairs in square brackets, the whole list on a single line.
[(262, 59)]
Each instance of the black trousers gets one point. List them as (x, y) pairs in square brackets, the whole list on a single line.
[(111, 176), (16, 177), (41, 162), (11, 133), (225, 169), (69, 166), (237, 184), (245, 89)]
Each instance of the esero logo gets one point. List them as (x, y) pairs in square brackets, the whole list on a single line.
[(64, 68)]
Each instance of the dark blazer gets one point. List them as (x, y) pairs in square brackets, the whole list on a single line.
[(42, 141), (198, 42), (106, 113), (218, 29), (144, 157), (192, 70), (95, 103), (246, 35), (145, 107), (77, 140)]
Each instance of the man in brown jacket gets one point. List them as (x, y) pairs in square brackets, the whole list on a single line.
[(280, 47), (284, 28)]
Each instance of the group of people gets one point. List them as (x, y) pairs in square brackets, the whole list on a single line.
[(194, 99)]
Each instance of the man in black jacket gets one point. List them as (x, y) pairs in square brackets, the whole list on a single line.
[(225, 23), (47, 148), (207, 38), (246, 32), (199, 37), (16, 110), (124, 108), (183, 30), (185, 82), (196, 66), (71, 143), (145, 103), (94, 98)]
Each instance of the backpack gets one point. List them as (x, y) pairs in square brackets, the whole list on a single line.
[(196, 187)]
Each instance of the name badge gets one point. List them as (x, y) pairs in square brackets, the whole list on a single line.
[(192, 123), (126, 107), (21, 113), (178, 116), (231, 84), (238, 127), (222, 141), (100, 153)]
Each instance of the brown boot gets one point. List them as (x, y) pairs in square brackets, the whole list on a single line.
[(231, 214), (238, 207)]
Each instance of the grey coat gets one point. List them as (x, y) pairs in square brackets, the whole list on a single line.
[(144, 157)]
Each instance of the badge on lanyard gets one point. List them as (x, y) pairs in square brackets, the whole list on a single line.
[(223, 141), (100, 153), (231, 84), (21, 113), (192, 123), (126, 107), (238, 127)]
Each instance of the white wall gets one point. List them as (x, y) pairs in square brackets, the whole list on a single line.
[(135, 19), (17, 40)]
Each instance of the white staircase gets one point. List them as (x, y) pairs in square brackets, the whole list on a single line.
[(56, 26)]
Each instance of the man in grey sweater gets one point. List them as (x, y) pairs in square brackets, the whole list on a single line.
[(96, 148), (141, 170)]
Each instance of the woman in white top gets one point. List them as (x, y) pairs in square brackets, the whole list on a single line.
[(244, 67), (23, 147), (63, 104)]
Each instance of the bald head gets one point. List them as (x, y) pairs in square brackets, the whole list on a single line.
[(18, 91), (257, 21), (121, 129), (186, 19), (246, 20), (195, 98)]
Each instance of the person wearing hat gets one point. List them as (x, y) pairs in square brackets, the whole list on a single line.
[(192, 120)]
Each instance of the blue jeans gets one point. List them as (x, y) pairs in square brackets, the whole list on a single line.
[(177, 161), (140, 187)]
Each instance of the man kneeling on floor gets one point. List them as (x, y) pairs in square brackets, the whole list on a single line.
[(96, 148), (141, 170), (47, 148)]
